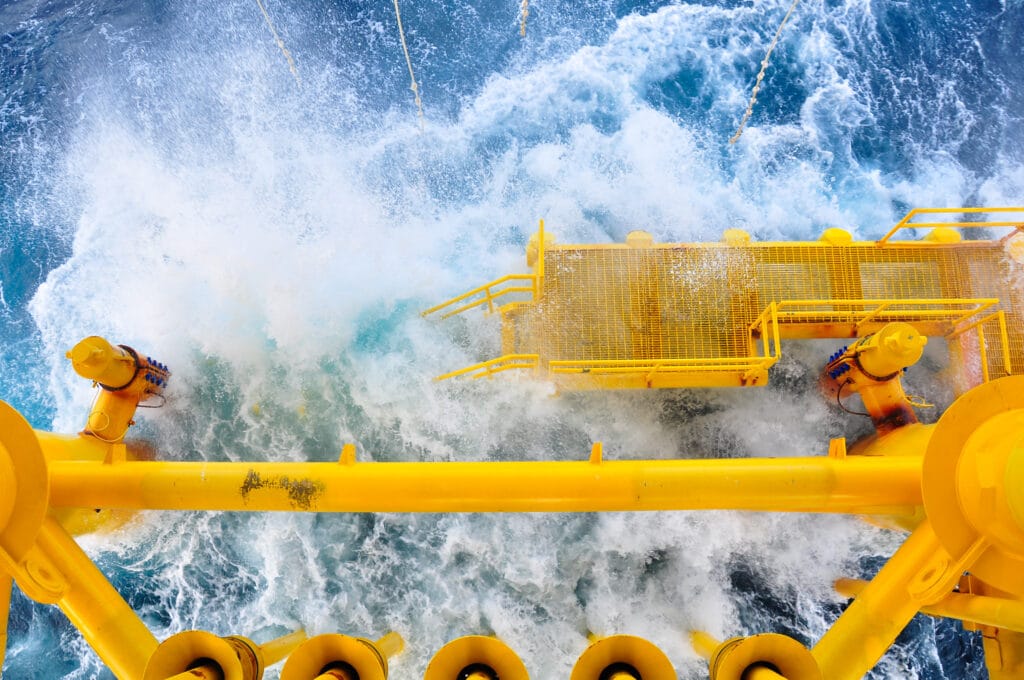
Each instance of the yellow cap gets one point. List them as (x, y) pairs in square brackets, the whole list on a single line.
[(96, 359), (894, 347)]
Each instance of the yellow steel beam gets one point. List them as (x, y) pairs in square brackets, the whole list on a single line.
[(816, 484), (94, 607), (1000, 612), (920, 573)]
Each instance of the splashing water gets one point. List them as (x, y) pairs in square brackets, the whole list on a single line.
[(167, 184)]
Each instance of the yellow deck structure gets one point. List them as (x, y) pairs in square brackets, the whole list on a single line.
[(672, 315), (643, 314)]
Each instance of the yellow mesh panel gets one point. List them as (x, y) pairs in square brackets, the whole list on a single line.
[(692, 302)]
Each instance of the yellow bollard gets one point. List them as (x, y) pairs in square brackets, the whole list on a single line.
[(340, 657), (205, 655), (476, 656), (622, 657), (768, 656)]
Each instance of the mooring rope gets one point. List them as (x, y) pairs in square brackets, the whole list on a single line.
[(405, 48), (280, 44), (524, 12), (760, 75)]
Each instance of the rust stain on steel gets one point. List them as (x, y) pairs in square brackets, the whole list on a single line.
[(302, 493)]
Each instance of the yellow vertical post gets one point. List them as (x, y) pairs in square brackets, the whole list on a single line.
[(96, 609)]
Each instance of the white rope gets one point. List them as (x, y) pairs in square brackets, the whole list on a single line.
[(405, 48), (760, 75), (280, 44)]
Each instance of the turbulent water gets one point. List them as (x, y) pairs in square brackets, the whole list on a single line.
[(169, 183)]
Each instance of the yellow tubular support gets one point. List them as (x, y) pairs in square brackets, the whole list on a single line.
[(818, 484), (105, 620), (919, 573), (981, 609)]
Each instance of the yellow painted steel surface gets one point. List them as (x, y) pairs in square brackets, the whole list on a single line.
[(683, 315), (861, 485)]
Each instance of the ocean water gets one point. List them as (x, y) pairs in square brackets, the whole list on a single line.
[(167, 182)]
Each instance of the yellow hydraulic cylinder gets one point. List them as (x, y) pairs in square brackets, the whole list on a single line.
[(817, 484)]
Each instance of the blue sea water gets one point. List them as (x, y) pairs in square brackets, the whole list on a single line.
[(168, 183)]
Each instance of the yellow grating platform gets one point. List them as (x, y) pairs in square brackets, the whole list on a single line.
[(642, 314)]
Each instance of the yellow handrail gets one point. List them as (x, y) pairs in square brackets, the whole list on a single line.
[(488, 368), (534, 289), (489, 296), (906, 223)]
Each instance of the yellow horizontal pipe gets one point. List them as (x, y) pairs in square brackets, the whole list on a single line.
[(988, 611), (817, 484)]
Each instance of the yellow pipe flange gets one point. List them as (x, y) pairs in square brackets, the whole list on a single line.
[(971, 481), (358, 657), (195, 648), (476, 654), (735, 658), (622, 657)]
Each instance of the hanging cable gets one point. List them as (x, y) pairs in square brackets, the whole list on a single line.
[(405, 48), (839, 401), (280, 44), (524, 11), (760, 75)]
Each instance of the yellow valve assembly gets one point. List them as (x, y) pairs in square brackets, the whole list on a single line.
[(125, 378), (871, 367)]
